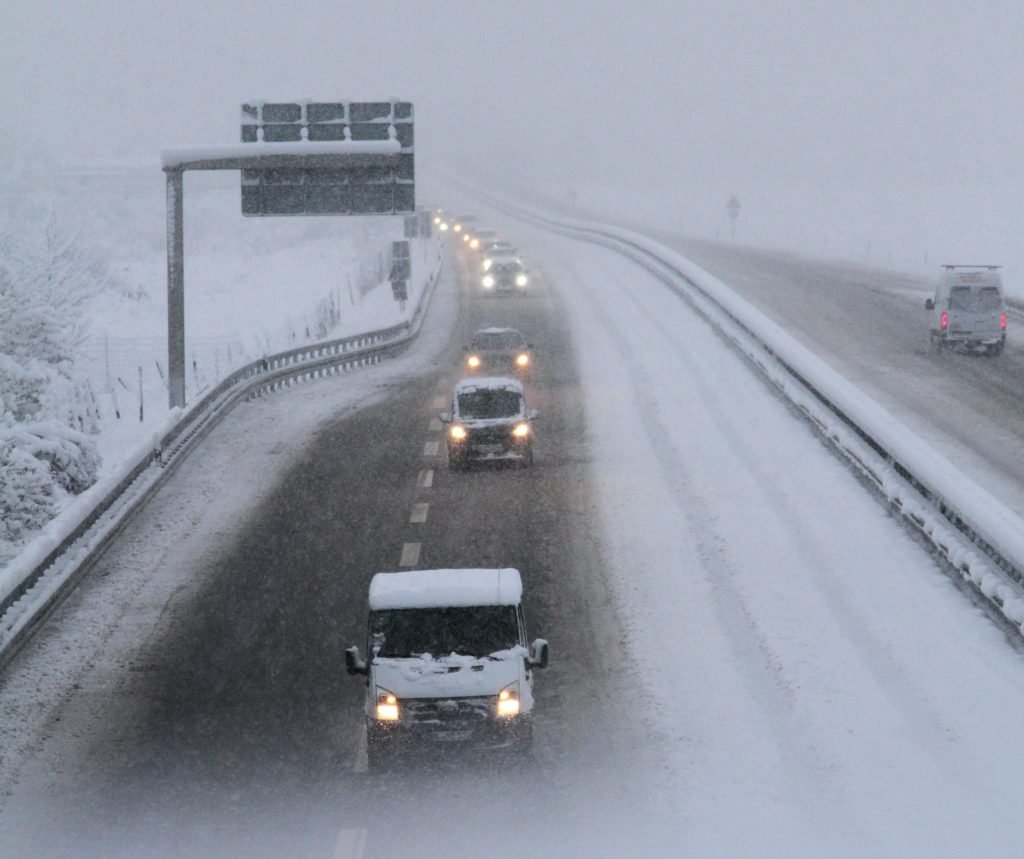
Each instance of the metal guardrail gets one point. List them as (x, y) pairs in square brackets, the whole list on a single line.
[(22, 612), (948, 516)]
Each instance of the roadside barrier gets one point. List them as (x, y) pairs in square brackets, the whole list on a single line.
[(41, 578), (979, 537)]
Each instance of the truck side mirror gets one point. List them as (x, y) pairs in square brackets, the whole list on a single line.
[(532, 415), (354, 662), (538, 654), (929, 304), (445, 417)]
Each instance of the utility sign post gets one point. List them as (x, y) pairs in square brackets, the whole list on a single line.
[(401, 272), (732, 208), (296, 158)]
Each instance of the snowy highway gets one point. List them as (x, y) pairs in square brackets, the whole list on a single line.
[(749, 655), (871, 325)]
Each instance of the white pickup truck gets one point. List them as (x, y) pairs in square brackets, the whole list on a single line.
[(447, 661)]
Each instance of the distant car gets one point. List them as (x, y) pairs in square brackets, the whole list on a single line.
[(479, 239), (463, 222), (501, 350), (489, 421), (969, 310), (504, 275), (495, 249)]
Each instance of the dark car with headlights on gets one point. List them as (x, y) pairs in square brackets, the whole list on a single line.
[(489, 421), (499, 350)]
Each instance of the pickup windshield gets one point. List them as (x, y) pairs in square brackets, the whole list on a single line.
[(468, 630)]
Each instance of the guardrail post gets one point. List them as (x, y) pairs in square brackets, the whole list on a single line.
[(175, 288)]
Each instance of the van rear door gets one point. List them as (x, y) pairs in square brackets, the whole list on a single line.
[(974, 312)]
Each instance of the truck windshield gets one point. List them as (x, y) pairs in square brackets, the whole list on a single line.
[(469, 630), (966, 298), (489, 403)]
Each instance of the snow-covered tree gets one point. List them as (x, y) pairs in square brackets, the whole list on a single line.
[(46, 276)]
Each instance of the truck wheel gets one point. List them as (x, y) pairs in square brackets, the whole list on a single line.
[(935, 343), (527, 460), (996, 348)]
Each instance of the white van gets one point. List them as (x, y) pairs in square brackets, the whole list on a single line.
[(447, 661), (969, 310)]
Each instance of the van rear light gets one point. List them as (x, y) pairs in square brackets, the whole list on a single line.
[(1002, 320), (944, 320)]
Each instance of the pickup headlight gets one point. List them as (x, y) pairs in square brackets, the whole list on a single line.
[(387, 706), (488, 281), (521, 430), (520, 280), (522, 360), (457, 433), (508, 701), (473, 361)]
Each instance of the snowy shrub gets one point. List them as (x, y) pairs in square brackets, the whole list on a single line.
[(29, 497), (46, 277)]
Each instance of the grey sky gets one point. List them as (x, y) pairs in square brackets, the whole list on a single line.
[(742, 94)]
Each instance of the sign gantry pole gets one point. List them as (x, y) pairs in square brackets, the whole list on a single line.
[(175, 287)]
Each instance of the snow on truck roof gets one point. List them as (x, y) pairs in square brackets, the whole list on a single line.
[(441, 588), (488, 382)]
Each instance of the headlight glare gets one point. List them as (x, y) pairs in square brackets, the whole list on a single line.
[(387, 706), (473, 361), (522, 360), (488, 281), (457, 432), (520, 280), (508, 701), (521, 430)]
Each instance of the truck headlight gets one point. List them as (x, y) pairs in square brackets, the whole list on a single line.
[(521, 430), (508, 701), (387, 706), (522, 360), (520, 280), (488, 281), (473, 361), (457, 433)]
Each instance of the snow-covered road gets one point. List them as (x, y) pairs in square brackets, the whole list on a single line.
[(818, 685), (797, 675)]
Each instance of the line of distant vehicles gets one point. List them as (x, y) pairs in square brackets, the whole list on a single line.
[(447, 659), (501, 270)]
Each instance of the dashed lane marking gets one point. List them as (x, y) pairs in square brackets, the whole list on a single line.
[(426, 478), (410, 555), (419, 512), (435, 424), (351, 844), (431, 448)]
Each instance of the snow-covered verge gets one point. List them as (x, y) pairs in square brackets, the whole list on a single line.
[(83, 324), (33, 582), (83, 392), (980, 537)]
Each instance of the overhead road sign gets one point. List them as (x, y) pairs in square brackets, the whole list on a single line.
[(382, 187)]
